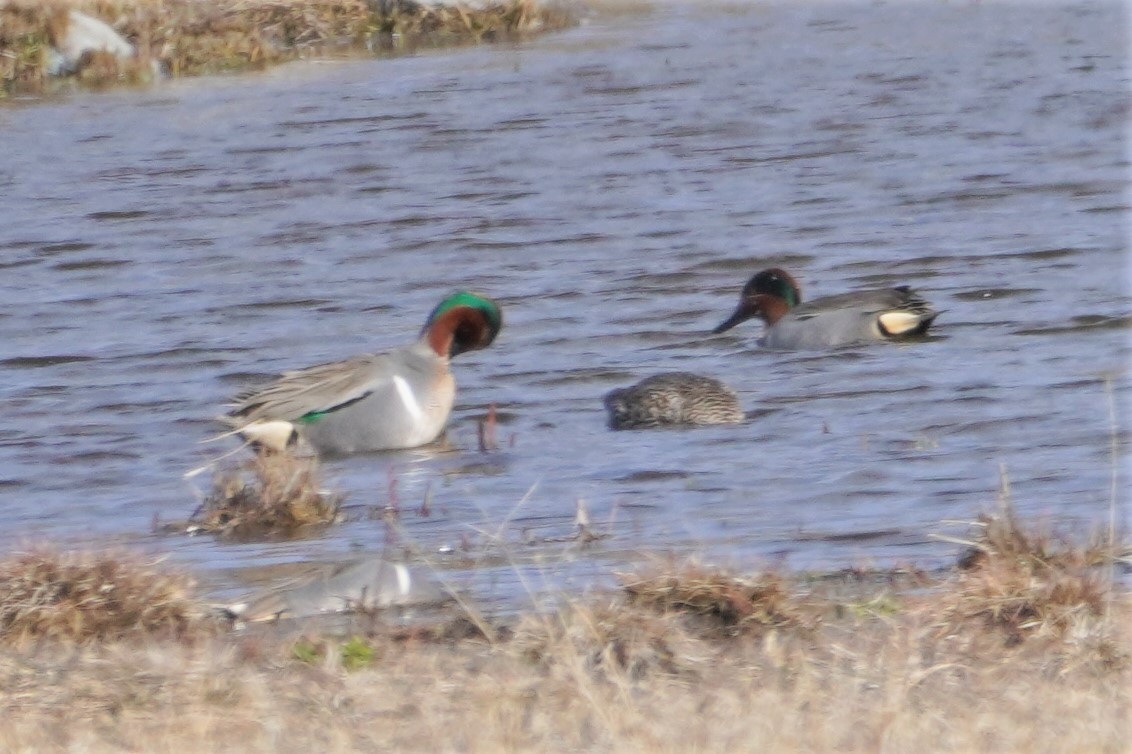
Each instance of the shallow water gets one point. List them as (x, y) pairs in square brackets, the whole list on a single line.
[(613, 186)]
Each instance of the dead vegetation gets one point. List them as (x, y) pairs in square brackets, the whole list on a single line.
[(1023, 649), (268, 496), (190, 37), (1017, 583), (719, 602), (89, 597), (607, 642), (1024, 581)]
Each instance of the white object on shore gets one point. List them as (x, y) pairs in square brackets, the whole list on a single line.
[(81, 34)]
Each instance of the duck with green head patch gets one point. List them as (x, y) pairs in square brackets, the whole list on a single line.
[(845, 319), (377, 401)]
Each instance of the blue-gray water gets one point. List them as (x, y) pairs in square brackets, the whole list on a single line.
[(614, 186)]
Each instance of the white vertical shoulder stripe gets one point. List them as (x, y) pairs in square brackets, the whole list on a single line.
[(407, 398), (404, 579)]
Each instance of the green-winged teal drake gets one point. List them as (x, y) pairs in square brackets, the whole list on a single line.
[(672, 398), (861, 316), (398, 399)]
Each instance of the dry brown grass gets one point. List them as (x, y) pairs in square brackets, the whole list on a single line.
[(719, 601), (605, 678), (1022, 601), (1022, 581), (193, 37), (684, 658), (89, 597), (607, 642), (269, 496)]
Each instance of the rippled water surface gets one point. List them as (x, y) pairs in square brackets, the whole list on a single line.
[(613, 186)]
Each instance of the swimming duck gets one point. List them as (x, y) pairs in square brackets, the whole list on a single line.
[(376, 401), (672, 398), (861, 316)]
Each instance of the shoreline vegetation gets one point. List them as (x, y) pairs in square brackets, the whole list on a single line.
[(1024, 646), (49, 44)]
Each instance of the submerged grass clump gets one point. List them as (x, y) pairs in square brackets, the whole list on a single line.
[(270, 495), (86, 597), (190, 37)]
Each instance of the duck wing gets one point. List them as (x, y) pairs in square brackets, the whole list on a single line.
[(315, 390), (900, 298)]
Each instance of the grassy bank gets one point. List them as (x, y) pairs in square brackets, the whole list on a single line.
[(195, 37), (1024, 647)]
